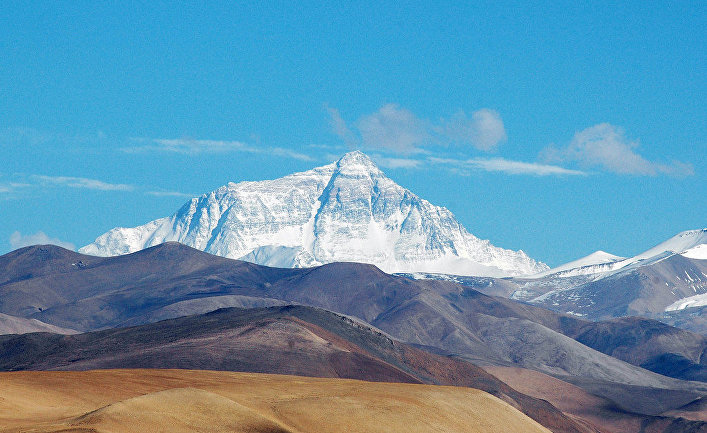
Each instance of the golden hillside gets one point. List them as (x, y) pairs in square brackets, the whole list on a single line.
[(118, 401)]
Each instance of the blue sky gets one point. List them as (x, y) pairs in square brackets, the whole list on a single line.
[(558, 129)]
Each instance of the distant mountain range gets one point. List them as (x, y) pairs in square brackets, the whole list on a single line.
[(667, 282), (349, 211), (616, 361), (345, 211), (70, 290)]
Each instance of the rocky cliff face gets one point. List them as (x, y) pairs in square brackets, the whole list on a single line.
[(345, 211)]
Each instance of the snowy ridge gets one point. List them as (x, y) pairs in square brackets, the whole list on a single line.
[(690, 243), (595, 258), (681, 242), (345, 211), (669, 286)]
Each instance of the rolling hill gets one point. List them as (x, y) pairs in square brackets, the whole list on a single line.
[(174, 401)]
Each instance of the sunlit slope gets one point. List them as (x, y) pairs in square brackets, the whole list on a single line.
[(175, 401)]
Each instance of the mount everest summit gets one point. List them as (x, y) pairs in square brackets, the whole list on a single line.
[(344, 211)]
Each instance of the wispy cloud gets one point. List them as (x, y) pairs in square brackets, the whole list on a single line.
[(170, 194), (82, 182), (18, 240), (12, 186), (397, 129), (287, 153), (502, 165), (339, 127), (188, 146), (394, 128), (484, 129), (606, 146), (8, 190), (393, 163)]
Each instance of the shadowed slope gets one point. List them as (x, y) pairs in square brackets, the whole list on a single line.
[(57, 286), (696, 410), (600, 411), (648, 343)]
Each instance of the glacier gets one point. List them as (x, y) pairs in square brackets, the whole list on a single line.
[(344, 211)]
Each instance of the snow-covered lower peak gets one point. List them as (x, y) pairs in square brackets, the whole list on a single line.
[(675, 245), (690, 244), (699, 252), (595, 258), (345, 211)]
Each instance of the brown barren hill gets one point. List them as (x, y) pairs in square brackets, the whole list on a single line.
[(207, 401)]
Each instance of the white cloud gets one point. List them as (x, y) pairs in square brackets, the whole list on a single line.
[(169, 194), (520, 167), (484, 130), (393, 128), (8, 188), (187, 146), (394, 163), (338, 125), (287, 153), (82, 182), (397, 129), (18, 240), (606, 146), (326, 147), (506, 166)]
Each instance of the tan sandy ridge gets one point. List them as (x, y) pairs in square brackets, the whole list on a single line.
[(117, 401)]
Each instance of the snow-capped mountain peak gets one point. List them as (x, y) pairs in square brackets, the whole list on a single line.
[(357, 163), (681, 242), (688, 243), (596, 258), (344, 211)]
